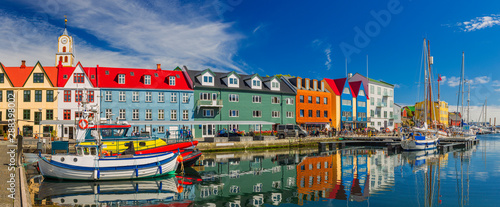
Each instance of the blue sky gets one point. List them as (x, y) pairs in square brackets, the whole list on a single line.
[(269, 37)]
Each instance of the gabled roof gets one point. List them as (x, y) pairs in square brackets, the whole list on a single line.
[(18, 76), (337, 85), (253, 76), (232, 72), (6, 75), (68, 71), (159, 78), (205, 71), (219, 83), (266, 79), (355, 86)]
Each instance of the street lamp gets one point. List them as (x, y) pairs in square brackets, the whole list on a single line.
[(40, 122)]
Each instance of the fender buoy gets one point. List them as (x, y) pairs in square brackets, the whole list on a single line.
[(180, 158), (180, 189), (83, 123)]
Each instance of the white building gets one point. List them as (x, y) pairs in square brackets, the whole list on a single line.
[(381, 96)]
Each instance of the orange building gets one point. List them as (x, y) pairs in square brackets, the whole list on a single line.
[(313, 101), (317, 176)]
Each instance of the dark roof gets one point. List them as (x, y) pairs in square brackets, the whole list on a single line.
[(218, 83)]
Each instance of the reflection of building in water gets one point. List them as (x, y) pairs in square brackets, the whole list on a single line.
[(382, 170), (248, 180), (343, 175)]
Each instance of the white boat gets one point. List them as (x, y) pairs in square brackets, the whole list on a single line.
[(86, 164), (418, 141)]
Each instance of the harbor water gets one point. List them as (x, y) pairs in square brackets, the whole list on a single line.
[(356, 176)]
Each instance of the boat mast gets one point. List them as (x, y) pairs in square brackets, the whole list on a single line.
[(430, 61), (425, 88), (468, 102), (462, 87)]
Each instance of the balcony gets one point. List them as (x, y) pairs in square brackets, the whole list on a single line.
[(393, 117), (381, 104), (343, 118), (386, 94), (209, 104), (361, 119)]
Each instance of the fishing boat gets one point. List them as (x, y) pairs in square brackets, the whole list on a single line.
[(89, 164), (422, 138)]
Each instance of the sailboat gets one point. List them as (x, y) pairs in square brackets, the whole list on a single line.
[(423, 138)]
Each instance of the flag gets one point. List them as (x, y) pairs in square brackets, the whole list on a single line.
[(439, 78)]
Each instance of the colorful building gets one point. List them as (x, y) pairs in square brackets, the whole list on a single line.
[(439, 113), (239, 102), (360, 98), (454, 118), (344, 107), (151, 100), (314, 103)]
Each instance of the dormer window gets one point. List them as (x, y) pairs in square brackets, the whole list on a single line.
[(78, 78), (65, 76), (131, 73), (346, 91), (121, 78), (361, 93), (92, 76), (256, 83), (107, 72), (156, 74), (275, 86), (147, 80), (171, 80), (207, 79), (233, 81)]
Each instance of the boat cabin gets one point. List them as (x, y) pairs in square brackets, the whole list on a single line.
[(86, 150), (107, 132)]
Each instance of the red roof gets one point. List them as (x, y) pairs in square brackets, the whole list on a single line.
[(355, 88), (108, 78), (336, 84), (68, 71), (18, 75)]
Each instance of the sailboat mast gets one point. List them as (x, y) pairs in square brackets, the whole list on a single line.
[(425, 87), (468, 102), (430, 61), (485, 109), (462, 85)]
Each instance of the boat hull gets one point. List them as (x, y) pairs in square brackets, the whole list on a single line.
[(428, 144), (109, 168)]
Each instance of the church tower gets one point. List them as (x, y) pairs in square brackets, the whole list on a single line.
[(65, 48)]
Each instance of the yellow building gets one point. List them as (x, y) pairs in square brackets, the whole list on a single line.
[(439, 112)]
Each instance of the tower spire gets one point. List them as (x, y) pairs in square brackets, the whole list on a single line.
[(65, 25)]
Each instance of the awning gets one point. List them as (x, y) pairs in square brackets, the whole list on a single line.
[(317, 123), (57, 122)]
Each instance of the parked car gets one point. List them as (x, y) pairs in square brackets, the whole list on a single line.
[(289, 130)]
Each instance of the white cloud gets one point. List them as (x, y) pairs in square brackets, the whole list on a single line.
[(497, 90), (328, 62), (130, 35), (481, 80), (496, 83), (453, 81), (257, 28), (397, 86), (480, 23), (443, 79), (475, 112)]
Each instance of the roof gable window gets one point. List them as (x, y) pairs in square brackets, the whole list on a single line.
[(275, 85), (361, 92), (207, 79), (121, 78), (147, 79), (346, 91)]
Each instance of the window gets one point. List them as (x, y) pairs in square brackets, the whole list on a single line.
[(289, 101), (27, 96), (148, 115), (256, 83), (207, 79), (108, 113), (38, 96), (147, 80), (161, 114), (121, 114), (173, 97), (78, 96), (234, 98), (257, 113), (67, 114), (275, 85), (361, 92), (257, 127), (234, 113), (275, 100), (148, 97), (1, 99), (49, 96), (310, 113), (135, 114), (121, 78), (372, 91), (78, 114), (173, 114), (372, 103), (361, 104), (121, 96), (37, 77), (378, 90), (66, 59), (309, 99), (185, 114), (302, 113), (90, 96), (67, 96), (301, 99), (325, 100), (185, 97), (233, 81), (318, 113), (346, 102), (289, 114), (325, 114), (78, 78), (256, 99), (161, 129), (107, 96), (208, 112), (26, 114), (135, 96), (2, 77), (205, 96), (49, 114), (318, 100), (161, 97), (171, 80), (385, 114), (346, 91), (275, 114), (372, 114)]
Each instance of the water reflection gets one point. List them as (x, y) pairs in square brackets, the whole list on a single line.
[(299, 177)]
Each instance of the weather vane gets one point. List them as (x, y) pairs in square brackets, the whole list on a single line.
[(65, 21)]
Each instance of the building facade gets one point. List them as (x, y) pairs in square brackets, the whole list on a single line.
[(439, 113), (151, 100), (313, 106), (344, 108), (226, 99)]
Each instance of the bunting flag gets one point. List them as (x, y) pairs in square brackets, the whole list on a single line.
[(439, 78)]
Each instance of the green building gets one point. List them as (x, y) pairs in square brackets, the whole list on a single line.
[(239, 102)]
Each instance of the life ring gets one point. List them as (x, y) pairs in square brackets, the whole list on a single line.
[(81, 125)]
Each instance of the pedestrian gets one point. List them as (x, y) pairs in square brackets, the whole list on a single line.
[(167, 133)]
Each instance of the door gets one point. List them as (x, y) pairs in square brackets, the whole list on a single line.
[(208, 130), (70, 135), (174, 131), (385, 124)]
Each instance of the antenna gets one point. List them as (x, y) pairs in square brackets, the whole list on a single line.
[(346, 67)]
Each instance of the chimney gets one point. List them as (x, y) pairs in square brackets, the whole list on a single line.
[(349, 75), (23, 64), (158, 66)]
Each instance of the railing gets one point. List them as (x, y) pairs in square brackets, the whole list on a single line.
[(381, 104), (343, 118), (209, 103), (387, 94)]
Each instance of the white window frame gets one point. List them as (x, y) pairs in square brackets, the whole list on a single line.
[(275, 114), (185, 97), (148, 114), (108, 113), (289, 101), (210, 114), (346, 91), (161, 129), (325, 100), (256, 99), (122, 97), (173, 97), (275, 100), (135, 114), (135, 96), (346, 102), (173, 114), (234, 98), (122, 114), (149, 97), (161, 97), (161, 114), (205, 96), (234, 113), (121, 78), (289, 114), (185, 114), (108, 96), (171, 80), (257, 114), (147, 79)]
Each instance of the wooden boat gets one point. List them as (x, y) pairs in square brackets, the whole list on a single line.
[(418, 141), (87, 164)]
